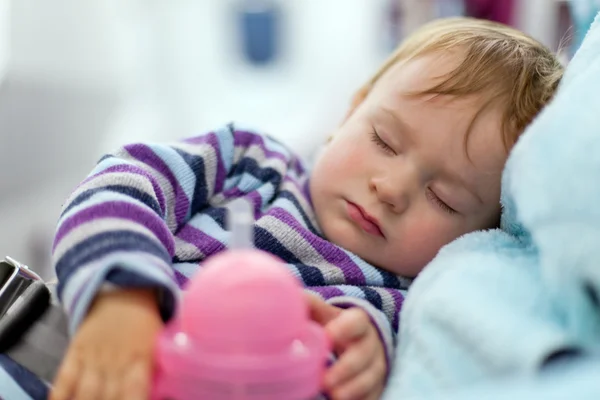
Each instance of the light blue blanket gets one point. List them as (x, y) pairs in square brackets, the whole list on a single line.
[(493, 307)]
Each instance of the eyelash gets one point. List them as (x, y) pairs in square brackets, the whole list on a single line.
[(375, 138), (445, 207)]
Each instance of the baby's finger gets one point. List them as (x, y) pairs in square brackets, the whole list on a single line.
[(350, 325), (320, 311), (90, 385), (136, 382), (66, 379), (366, 385), (356, 359)]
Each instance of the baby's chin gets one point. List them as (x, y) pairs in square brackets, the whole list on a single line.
[(405, 265), (348, 237), (392, 267)]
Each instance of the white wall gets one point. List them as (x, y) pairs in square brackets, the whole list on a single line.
[(66, 42), (200, 82), (4, 37)]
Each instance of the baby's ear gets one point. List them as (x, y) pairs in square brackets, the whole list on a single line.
[(357, 99)]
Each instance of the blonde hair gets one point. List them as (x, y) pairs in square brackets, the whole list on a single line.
[(500, 62)]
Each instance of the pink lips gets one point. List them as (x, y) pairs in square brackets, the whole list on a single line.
[(368, 223)]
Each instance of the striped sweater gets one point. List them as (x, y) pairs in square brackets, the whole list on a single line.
[(150, 214)]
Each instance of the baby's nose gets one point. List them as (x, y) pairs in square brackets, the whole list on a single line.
[(397, 188)]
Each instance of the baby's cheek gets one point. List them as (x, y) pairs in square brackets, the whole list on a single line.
[(416, 247), (340, 232), (328, 170)]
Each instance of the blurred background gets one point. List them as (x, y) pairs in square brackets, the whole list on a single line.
[(81, 77)]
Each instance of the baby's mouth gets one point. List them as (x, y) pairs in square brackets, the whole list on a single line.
[(365, 221)]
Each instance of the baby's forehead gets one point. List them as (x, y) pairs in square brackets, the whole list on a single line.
[(424, 70)]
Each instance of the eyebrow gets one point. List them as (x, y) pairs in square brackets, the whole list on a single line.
[(404, 126), (459, 179)]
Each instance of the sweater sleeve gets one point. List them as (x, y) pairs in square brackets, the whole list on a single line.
[(382, 305), (117, 227)]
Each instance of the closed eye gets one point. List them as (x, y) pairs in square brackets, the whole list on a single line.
[(439, 202), (375, 138)]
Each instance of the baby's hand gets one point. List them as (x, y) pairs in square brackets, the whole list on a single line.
[(359, 373), (110, 356)]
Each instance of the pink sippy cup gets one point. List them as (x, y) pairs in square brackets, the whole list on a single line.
[(243, 330)]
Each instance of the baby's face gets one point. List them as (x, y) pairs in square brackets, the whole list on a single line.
[(396, 183)]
